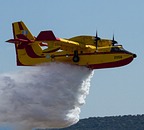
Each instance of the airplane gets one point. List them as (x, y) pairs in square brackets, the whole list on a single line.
[(90, 51)]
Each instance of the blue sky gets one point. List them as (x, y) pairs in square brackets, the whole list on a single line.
[(117, 91)]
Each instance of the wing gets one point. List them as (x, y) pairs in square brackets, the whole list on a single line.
[(64, 44), (69, 45), (83, 39), (80, 43), (89, 40)]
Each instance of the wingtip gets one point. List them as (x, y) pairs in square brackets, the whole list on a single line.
[(46, 36)]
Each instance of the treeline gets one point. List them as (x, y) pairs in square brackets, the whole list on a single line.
[(128, 122)]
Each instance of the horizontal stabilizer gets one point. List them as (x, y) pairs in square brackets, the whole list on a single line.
[(24, 38), (20, 39), (46, 36), (17, 41)]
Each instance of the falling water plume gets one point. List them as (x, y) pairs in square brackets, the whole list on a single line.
[(45, 96)]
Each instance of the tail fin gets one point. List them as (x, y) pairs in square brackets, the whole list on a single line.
[(26, 50), (20, 28)]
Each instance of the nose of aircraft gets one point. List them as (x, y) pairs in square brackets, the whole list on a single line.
[(134, 55)]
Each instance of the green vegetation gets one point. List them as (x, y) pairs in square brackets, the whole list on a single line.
[(109, 123)]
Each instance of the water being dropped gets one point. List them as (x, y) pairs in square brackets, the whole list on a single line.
[(46, 96)]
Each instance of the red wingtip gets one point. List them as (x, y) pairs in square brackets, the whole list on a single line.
[(46, 36)]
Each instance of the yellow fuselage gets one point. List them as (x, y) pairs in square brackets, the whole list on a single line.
[(103, 58), (89, 51)]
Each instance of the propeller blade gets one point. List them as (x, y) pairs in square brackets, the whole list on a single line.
[(96, 40), (113, 41), (96, 34), (96, 37)]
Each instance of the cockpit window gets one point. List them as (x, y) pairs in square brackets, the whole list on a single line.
[(115, 49)]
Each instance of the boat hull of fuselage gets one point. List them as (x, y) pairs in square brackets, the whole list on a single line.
[(111, 64), (90, 60)]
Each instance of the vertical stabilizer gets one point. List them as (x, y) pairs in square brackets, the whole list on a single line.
[(20, 28), (27, 49)]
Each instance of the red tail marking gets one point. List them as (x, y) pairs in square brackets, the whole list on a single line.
[(31, 53), (20, 26)]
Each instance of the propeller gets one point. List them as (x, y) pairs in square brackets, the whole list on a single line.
[(96, 39), (113, 41)]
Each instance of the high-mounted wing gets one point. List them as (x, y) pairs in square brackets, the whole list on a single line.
[(83, 39), (69, 45), (89, 40), (64, 44)]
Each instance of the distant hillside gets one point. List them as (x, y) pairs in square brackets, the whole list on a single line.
[(109, 123)]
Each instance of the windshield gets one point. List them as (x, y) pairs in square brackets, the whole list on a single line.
[(117, 49)]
